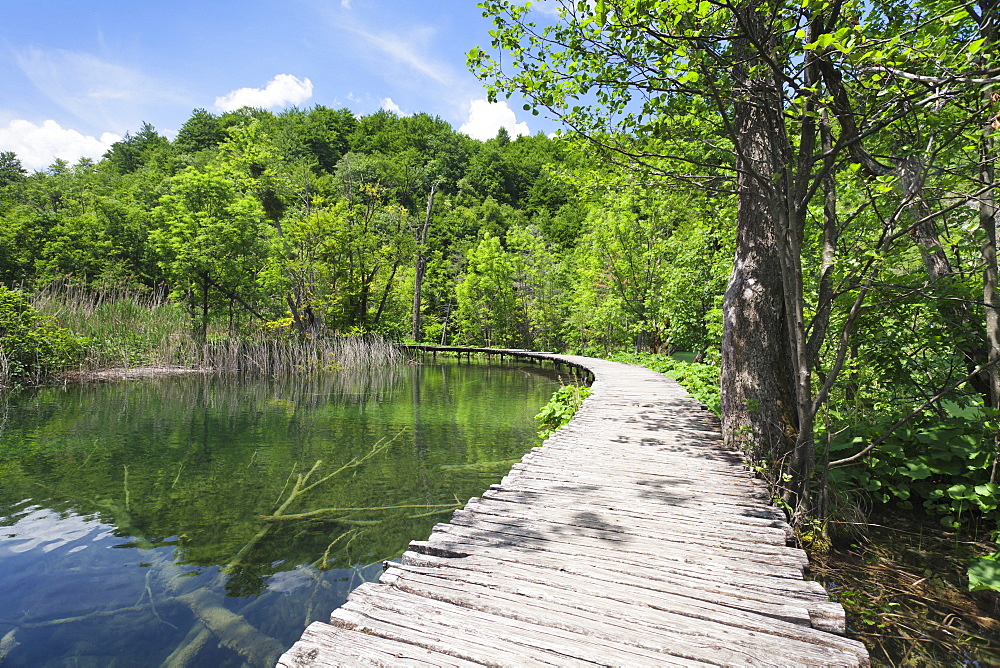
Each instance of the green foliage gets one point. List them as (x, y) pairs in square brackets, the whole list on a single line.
[(31, 345), (11, 170), (700, 380), (121, 328), (199, 133), (136, 151), (942, 463), (650, 270), (984, 573), (561, 408), (212, 240)]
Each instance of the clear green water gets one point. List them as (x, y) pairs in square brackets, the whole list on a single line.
[(132, 515)]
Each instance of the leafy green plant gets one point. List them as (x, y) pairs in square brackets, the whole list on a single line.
[(942, 463), (561, 408), (31, 345), (984, 573)]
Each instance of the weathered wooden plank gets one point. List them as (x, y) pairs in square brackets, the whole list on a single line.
[(576, 634), (686, 524), (465, 541), (580, 534), (639, 465), (481, 637), (578, 574), (616, 507), (666, 571), (323, 644), (631, 537), (600, 494), (738, 489), (600, 612), (591, 593), (654, 500)]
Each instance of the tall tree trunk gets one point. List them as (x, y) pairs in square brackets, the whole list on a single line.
[(203, 333), (418, 279), (758, 397), (989, 27)]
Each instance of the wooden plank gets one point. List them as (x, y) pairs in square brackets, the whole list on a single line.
[(469, 541), (649, 624), (480, 637), (323, 644), (600, 494), (570, 638), (581, 534), (618, 508), (577, 573), (631, 537), (686, 524), (626, 511)]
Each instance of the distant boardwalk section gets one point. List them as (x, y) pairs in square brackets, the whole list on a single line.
[(629, 538)]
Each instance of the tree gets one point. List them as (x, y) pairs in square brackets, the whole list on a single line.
[(11, 170), (420, 236), (136, 151), (213, 243), (645, 83), (326, 133), (488, 311), (649, 270), (199, 133)]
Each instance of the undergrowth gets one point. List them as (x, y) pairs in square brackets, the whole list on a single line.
[(905, 592), (561, 408), (128, 328)]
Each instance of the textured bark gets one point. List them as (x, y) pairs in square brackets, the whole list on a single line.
[(989, 27), (758, 398), (421, 266)]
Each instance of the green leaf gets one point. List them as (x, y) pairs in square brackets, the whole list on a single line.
[(916, 471), (985, 573), (601, 11)]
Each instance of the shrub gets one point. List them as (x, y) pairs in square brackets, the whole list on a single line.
[(561, 408), (31, 345)]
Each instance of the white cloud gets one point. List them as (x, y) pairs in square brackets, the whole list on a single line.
[(485, 119), (389, 105), (346, 4), (38, 146), (103, 94), (282, 90), (408, 49)]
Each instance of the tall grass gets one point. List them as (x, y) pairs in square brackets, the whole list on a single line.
[(271, 357), (121, 328), (127, 328)]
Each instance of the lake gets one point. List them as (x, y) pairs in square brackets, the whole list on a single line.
[(205, 521)]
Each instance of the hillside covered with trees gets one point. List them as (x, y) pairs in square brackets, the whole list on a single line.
[(317, 221)]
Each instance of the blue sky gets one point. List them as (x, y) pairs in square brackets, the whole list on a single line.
[(77, 74)]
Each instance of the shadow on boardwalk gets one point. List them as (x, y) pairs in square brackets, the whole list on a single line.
[(629, 538)]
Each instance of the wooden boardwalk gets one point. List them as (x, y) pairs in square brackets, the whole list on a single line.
[(629, 538)]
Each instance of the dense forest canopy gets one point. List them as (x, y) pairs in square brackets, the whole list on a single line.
[(315, 220)]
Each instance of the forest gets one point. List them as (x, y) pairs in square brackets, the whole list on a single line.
[(800, 195)]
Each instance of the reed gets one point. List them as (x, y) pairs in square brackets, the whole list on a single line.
[(120, 327), (273, 357), (124, 328)]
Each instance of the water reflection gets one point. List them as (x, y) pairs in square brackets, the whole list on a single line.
[(201, 521)]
